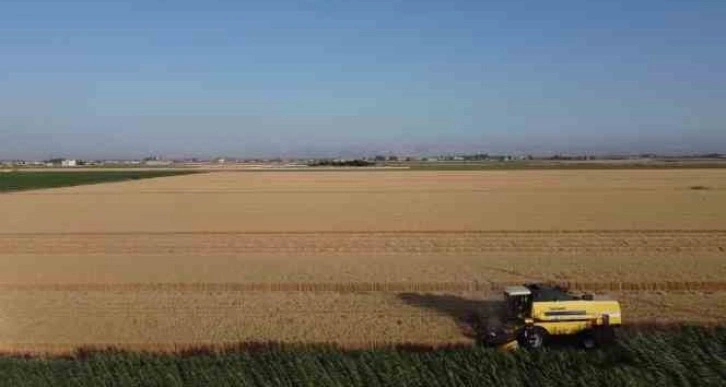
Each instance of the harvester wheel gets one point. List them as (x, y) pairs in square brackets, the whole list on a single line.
[(597, 336), (587, 338), (604, 335), (533, 337)]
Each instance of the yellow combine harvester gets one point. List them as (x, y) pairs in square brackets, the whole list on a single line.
[(536, 313)]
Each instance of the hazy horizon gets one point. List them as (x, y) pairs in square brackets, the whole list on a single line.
[(351, 153), (129, 79)]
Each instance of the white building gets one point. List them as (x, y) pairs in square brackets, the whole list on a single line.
[(69, 163), (158, 163)]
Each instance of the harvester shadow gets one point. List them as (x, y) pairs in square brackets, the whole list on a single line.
[(474, 317)]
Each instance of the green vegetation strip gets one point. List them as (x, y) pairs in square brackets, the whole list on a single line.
[(690, 356), (23, 181)]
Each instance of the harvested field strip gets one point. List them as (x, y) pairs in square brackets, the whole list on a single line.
[(337, 191), (383, 232), (37, 320), (357, 287), (464, 243), (633, 328)]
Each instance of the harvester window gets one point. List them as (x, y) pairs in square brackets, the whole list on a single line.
[(518, 306)]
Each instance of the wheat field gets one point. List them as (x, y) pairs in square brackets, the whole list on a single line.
[(355, 258)]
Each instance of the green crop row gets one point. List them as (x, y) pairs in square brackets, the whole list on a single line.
[(691, 356), (23, 181)]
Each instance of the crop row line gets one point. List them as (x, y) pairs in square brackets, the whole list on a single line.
[(352, 287), (629, 232)]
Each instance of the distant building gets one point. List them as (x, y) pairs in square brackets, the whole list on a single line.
[(69, 163), (158, 163)]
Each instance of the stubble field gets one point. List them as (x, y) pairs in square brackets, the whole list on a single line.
[(352, 258)]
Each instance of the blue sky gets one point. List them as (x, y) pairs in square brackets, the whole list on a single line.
[(98, 79)]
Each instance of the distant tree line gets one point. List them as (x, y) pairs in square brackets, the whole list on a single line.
[(341, 163)]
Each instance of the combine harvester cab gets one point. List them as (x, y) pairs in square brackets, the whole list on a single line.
[(537, 313)]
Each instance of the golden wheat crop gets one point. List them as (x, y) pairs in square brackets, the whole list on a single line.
[(332, 256), (60, 320)]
